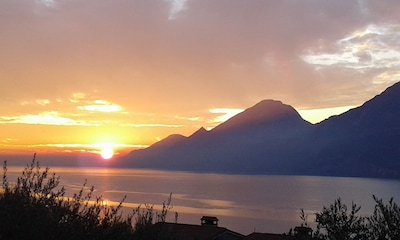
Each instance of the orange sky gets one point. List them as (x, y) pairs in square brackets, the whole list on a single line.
[(84, 74)]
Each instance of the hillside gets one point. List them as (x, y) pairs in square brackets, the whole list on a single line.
[(271, 138), (363, 141)]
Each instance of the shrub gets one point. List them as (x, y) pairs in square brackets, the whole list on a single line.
[(385, 222), (35, 207), (337, 223)]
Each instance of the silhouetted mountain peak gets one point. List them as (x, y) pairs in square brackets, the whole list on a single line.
[(169, 141), (272, 138), (264, 112), (200, 132), (270, 109)]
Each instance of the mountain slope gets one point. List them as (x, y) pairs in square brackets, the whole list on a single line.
[(237, 145), (363, 141), (266, 112), (272, 138)]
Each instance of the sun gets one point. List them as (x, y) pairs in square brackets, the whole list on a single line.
[(107, 153)]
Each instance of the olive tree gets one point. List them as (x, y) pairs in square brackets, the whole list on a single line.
[(337, 223), (35, 207), (384, 224)]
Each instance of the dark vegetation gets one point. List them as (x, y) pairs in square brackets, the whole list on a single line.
[(35, 207), (337, 222)]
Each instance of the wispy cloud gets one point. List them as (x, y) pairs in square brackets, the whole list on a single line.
[(373, 47), (9, 140), (389, 76), (44, 118), (72, 147), (177, 6), (41, 102), (150, 125), (78, 110), (87, 146), (47, 3), (101, 106), (224, 114), (188, 118), (91, 104), (77, 97)]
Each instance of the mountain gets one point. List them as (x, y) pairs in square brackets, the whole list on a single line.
[(266, 112), (251, 141), (272, 138), (361, 142)]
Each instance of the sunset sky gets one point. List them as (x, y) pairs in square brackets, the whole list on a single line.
[(79, 75)]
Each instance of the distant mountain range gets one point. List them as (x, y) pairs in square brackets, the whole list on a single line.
[(272, 138)]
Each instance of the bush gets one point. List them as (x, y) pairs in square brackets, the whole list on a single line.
[(385, 222), (337, 223), (35, 207)]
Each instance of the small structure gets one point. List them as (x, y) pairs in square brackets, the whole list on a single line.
[(209, 221), (303, 232)]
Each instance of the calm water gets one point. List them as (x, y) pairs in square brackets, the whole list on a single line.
[(242, 203)]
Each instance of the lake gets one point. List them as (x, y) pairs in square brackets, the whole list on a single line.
[(242, 203)]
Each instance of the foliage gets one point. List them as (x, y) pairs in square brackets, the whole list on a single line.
[(385, 222), (303, 217), (35, 207), (337, 223)]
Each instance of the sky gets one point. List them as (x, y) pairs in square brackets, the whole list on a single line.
[(82, 75)]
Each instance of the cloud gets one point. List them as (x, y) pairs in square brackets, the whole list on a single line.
[(193, 119), (64, 111), (151, 125), (77, 97), (375, 46), (88, 146), (390, 76), (101, 106), (71, 147), (41, 102), (9, 140), (224, 114), (96, 105), (177, 6), (222, 53), (44, 118), (46, 3)]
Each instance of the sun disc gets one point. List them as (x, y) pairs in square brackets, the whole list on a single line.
[(107, 153)]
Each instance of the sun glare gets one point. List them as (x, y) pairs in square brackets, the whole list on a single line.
[(106, 153)]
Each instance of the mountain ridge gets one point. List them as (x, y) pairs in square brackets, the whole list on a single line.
[(265, 112), (272, 138)]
